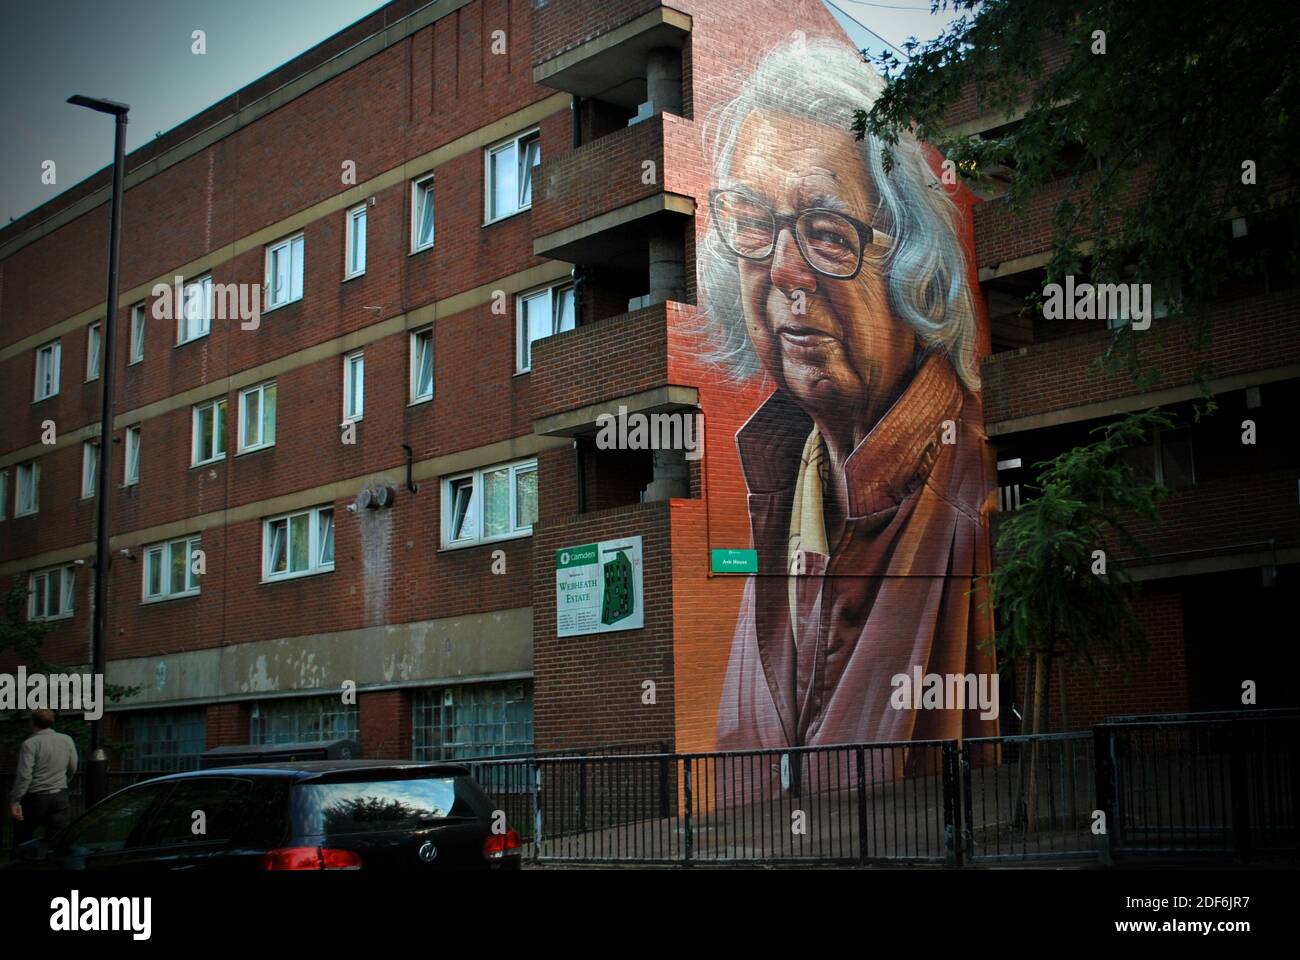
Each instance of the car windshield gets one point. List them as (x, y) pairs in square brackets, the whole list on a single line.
[(382, 805)]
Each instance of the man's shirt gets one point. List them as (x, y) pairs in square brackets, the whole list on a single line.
[(825, 626), (46, 760)]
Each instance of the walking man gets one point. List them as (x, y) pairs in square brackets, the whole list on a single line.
[(46, 762)]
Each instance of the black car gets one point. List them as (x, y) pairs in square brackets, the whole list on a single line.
[(311, 815)]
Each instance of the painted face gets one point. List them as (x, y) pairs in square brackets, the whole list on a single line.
[(834, 344)]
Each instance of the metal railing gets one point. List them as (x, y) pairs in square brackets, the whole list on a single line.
[(1222, 786)]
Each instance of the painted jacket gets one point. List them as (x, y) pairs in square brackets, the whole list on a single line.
[(896, 592)]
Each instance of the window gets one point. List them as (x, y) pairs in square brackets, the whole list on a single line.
[(541, 314), (132, 471), (354, 386), (47, 370), (422, 365), (116, 824), (422, 214), (196, 315), (4, 493), (162, 741), (475, 720), (94, 341), (510, 175), (298, 544), (355, 260), (231, 815), (28, 498), (169, 569), (491, 504), (284, 271), (136, 352), (306, 720), (89, 468), (257, 417), (50, 594), (210, 431)]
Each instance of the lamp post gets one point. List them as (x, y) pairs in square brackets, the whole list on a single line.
[(97, 767)]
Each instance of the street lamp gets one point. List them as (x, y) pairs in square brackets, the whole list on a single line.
[(97, 766)]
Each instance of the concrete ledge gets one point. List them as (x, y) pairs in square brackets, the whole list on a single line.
[(494, 645), (659, 400), (1138, 401), (558, 245), (607, 62)]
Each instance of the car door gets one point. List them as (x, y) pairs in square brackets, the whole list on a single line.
[(111, 834), (206, 823)]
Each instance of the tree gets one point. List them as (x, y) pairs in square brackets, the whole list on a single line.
[(1057, 591), (1167, 119), (25, 639)]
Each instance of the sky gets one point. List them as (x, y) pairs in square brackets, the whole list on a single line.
[(140, 52)]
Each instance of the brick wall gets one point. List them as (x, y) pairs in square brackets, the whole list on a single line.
[(1243, 335)]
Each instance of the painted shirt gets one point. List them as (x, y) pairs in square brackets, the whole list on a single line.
[(814, 653)]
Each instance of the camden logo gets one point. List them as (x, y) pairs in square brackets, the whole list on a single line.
[(1102, 301), (651, 431), (952, 691), (76, 913), (71, 692)]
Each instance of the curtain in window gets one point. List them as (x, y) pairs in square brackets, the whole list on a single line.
[(496, 503)]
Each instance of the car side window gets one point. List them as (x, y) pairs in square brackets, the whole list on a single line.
[(208, 810), (116, 824)]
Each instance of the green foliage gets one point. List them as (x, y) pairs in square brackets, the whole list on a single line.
[(25, 639), (1150, 136), (1048, 597)]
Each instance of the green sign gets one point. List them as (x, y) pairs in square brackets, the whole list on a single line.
[(598, 588), (735, 561)]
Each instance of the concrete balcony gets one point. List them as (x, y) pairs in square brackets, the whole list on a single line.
[(1250, 341), (624, 361), (601, 203), (604, 50)]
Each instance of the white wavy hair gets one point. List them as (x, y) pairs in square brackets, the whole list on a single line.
[(925, 268)]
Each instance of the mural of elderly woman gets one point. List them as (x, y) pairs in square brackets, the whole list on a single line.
[(867, 469)]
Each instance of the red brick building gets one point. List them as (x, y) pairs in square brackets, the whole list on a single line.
[(477, 226)]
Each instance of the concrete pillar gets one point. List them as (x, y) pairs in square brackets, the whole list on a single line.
[(663, 79), (667, 265), (672, 476)]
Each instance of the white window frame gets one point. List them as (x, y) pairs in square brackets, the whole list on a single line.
[(32, 470), (67, 583), (416, 336), (55, 350), (418, 186), (263, 427), (135, 351), (357, 213), (218, 405), (523, 345), (295, 281), (163, 552), (4, 494), (89, 469), (131, 447), (354, 407), (94, 350), (204, 319), (511, 144), (515, 532), (315, 564)]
